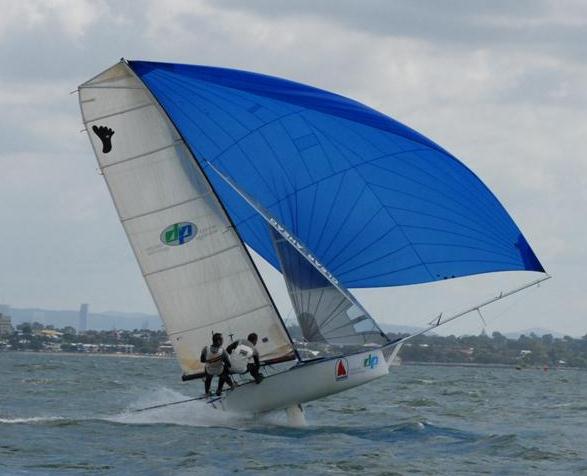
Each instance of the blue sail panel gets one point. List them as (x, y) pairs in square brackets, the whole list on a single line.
[(376, 202)]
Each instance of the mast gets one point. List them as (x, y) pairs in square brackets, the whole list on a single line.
[(215, 194)]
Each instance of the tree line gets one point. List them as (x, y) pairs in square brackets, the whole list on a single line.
[(527, 350)]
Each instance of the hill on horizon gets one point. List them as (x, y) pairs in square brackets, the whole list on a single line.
[(108, 320)]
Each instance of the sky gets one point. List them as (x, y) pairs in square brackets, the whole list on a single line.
[(499, 84)]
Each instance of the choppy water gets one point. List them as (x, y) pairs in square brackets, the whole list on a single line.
[(63, 414)]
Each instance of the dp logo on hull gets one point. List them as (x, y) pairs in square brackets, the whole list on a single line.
[(178, 233), (371, 361)]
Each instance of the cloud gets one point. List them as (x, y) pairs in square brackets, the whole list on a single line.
[(70, 17), (458, 24), (500, 84)]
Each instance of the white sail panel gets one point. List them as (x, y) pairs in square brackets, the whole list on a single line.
[(197, 269), (159, 169), (324, 313), (128, 126), (212, 236)]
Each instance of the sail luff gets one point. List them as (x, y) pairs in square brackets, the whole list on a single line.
[(114, 202)]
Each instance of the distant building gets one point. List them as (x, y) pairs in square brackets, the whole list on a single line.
[(5, 325), (83, 318), (51, 333), (165, 348)]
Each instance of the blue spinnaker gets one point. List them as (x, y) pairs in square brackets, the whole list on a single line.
[(377, 203)]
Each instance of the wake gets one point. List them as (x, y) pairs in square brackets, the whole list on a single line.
[(172, 408), (20, 421)]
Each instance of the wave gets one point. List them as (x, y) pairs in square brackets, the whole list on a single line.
[(171, 408), (20, 421), (177, 409)]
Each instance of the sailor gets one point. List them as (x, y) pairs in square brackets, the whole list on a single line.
[(244, 357), (216, 363)]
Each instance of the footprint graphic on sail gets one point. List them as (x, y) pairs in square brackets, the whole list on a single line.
[(105, 134)]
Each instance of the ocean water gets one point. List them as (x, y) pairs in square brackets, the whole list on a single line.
[(63, 414)]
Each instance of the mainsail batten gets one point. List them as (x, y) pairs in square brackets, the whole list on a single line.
[(195, 265)]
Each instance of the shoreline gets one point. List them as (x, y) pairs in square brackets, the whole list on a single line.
[(90, 354), (404, 363), (486, 366)]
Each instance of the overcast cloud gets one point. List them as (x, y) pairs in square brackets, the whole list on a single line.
[(500, 84)]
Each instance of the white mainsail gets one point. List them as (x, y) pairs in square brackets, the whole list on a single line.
[(196, 266)]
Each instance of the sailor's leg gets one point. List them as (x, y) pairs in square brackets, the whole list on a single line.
[(254, 371), (223, 377), (207, 383), (228, 379)]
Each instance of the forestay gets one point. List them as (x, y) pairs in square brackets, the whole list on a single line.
[(327, 312), (196, 266)]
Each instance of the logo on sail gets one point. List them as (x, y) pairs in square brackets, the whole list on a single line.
[(179, 233), (341, 369), (371, 361), (105, 135)]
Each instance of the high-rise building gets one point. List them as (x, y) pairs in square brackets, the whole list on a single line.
[(5, 325), (83, 318)]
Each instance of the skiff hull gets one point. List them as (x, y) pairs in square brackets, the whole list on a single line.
[(306, 382)]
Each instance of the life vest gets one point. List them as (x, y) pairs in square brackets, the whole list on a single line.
[(214, 363), (240, 357)]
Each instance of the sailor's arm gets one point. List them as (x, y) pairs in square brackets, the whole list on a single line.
[(203, 358), (226, 359), (231, 347)]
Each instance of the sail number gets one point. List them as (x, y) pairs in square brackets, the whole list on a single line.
[(292, 240)]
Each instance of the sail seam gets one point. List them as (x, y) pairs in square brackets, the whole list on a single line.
[(223, 320), (124, 111), (190, 262), (110, 87), (392, 217), (144, 154), (152, 212)]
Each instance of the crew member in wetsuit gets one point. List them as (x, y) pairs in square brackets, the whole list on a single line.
[(216, 363), (244, 357)]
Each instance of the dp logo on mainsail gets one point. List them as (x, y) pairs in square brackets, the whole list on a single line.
[(178, 233)]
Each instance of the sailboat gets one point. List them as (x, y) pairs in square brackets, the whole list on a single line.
[(206, 165)]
